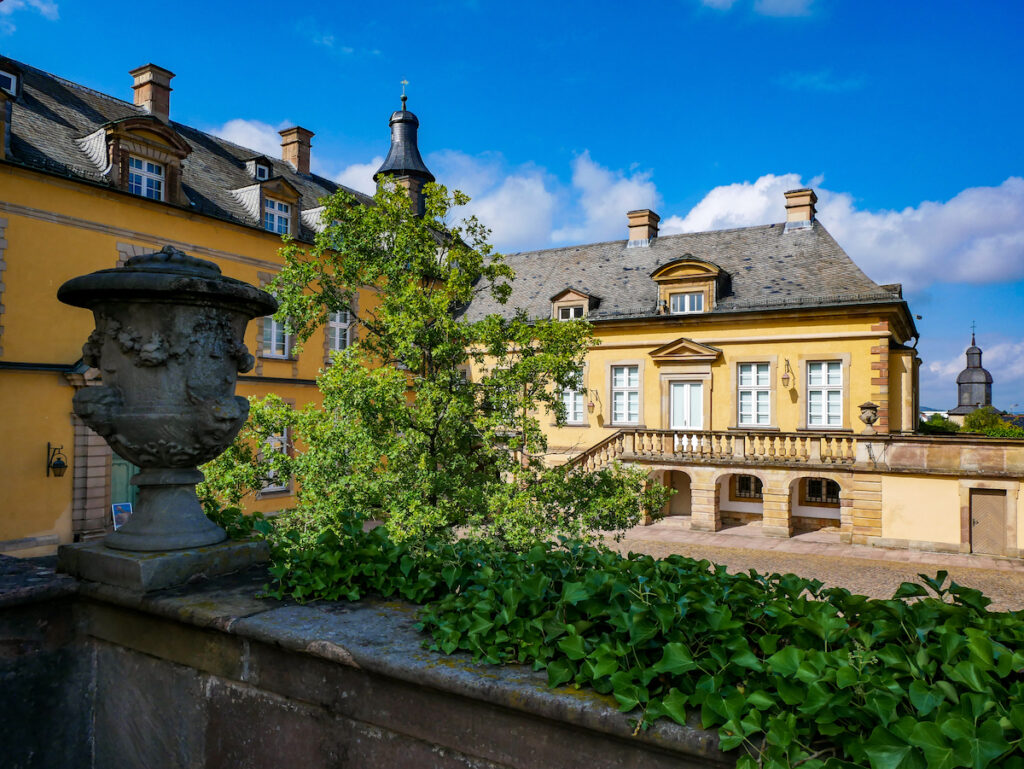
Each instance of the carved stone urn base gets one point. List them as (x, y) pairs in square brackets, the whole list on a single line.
[(169, 515)]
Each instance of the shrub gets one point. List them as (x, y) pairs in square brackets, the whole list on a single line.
[(789, 672)]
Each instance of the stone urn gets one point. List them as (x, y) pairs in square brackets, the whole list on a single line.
[(169, 345), (869, 415)]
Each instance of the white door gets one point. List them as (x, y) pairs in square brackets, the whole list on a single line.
[(687, 406)]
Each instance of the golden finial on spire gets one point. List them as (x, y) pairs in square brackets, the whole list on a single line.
[(404, 97)]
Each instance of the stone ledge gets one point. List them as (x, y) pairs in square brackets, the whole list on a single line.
[(379, 639), (145, 572)]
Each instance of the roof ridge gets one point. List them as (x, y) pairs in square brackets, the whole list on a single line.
[(770, 225)]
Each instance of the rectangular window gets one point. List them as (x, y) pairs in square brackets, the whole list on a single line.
[(754, 393), (338, 330), (8, 82), (748, 487), (825, 394), (822, 491), (278, 442), (145, 179), (573, 400), (573, 312), (626, 395), (276, 216), (262, 172), (277, 342), (680, 304)]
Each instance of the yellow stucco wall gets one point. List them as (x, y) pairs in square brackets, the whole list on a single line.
[(57, 229), (793, 339), (922, 508)]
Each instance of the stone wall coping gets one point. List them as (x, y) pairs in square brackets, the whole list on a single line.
[(380, 637), (31, 580)]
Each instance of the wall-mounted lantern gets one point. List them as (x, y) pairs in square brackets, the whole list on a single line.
[(594, 400), (787, 375), (56, 462)]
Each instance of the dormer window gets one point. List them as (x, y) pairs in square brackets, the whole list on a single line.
[(570, 312), (683, 303), (145, 178), (262, 172), (9, 82), (276, 216)]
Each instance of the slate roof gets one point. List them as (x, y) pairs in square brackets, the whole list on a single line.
[(767, 269), (51, 113)]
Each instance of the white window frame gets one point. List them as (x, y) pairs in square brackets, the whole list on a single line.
[(339, 328), (277, 442), (754, 385), (828, 392), (277, 216), (277, 342), (570, 312), (686, 303), (12, 89), (146, 178), (625, 380), (573, 402), (262, 172)]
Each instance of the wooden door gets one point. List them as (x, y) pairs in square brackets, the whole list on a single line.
[(988, 521)]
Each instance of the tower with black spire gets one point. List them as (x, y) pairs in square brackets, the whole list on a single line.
[(974, 384), (403, 162)]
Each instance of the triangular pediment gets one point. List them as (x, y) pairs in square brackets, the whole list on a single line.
[(572, 294), (280, 187), (684, 349)]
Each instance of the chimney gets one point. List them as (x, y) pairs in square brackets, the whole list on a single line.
[(295, 147), (152, 89), (643, 227), (800, 209)]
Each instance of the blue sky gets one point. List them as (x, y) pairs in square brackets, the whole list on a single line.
[(559, 117)]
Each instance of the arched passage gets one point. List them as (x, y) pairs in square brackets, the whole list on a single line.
[(740, 498), (681, 502), (815, 503)]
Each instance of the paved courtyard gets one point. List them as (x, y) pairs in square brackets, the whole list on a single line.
[(873, 571)]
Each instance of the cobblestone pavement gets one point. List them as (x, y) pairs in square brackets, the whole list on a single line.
[(819, 556)]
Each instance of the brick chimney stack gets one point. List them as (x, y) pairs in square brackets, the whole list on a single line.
[(152, 89), (643, 227), (800, 209), (295, 147)]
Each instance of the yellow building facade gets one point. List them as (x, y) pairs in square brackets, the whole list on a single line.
[(766, 379), (87, 181)]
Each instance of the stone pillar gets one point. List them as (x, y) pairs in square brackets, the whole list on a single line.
[(777, 520), (846, 513), (865, 509), (705, 514), (880, 377)]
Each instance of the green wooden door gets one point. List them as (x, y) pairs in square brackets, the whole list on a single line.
[(121, 472)]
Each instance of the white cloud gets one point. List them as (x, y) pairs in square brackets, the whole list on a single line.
[(359, 176), (602, 198), (766, 7), (518, 204), (977, 237), (783, 7), (253, 134), (46, 8)]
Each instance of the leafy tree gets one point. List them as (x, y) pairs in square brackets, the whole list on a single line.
[(431, 421), (937, 424), (989, 421), (982, 420)]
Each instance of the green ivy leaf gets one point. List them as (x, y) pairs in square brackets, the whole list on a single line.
[(675, 658)]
